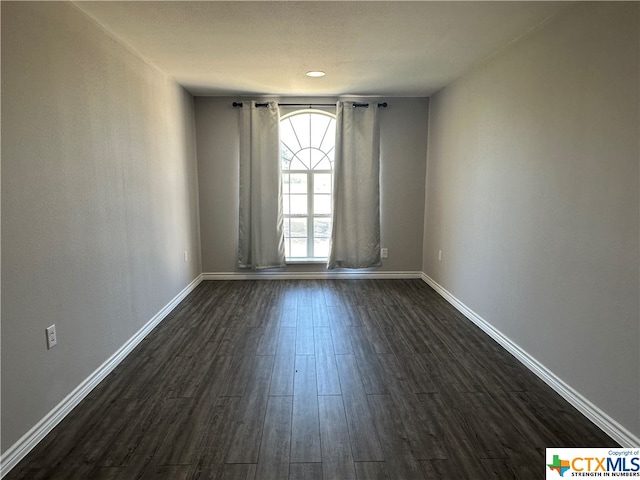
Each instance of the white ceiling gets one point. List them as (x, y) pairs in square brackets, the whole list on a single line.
[(386, 48)]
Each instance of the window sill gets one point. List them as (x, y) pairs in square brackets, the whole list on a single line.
[(303, 261)]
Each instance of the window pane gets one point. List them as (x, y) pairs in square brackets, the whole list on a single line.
[(322, 182), (298, 227), (321, 227), (319, 124), (317, 157), (287, 247), (298, 247), (323, 164), (322, 204), (298, 183), (285, 204), (298, 204), (330, 138), (330, 156), (298, 162), (301, 125), (321, 247), (288, 136), (285, 183), (285, 155), (287, 229)]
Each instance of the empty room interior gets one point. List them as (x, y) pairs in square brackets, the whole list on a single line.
[(437, 276)]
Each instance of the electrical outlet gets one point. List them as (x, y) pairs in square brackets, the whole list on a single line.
[(186, 256), (439, 255), (52, 338), (384, 253)]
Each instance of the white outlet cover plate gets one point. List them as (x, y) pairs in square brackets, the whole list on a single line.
[(52, 341)]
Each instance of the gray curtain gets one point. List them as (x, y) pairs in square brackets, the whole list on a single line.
[(355, 235), (261, 234)]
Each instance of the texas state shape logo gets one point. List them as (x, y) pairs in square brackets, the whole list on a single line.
[(560, 466)]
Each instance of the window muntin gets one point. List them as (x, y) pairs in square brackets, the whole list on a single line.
[(307, 146)]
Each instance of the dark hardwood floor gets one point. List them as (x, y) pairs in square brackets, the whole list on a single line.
[(336, 379)]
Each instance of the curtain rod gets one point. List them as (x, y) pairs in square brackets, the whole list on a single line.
[(312, 105)]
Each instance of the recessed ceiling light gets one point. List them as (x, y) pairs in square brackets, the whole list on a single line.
[(316, 73)]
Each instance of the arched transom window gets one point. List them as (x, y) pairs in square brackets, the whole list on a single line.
[(308, 144)]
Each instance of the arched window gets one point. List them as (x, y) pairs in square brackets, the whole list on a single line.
[(308, 144)]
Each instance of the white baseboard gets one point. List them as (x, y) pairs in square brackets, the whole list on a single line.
[(29, 440), (607, 424), (321, 275)]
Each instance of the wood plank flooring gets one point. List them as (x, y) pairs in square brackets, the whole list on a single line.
[(334, 380)]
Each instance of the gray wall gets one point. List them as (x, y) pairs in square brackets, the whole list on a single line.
[(403, 150), (99, 202), (533, 198)]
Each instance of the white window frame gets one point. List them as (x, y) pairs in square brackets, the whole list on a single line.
[(310, 215)]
